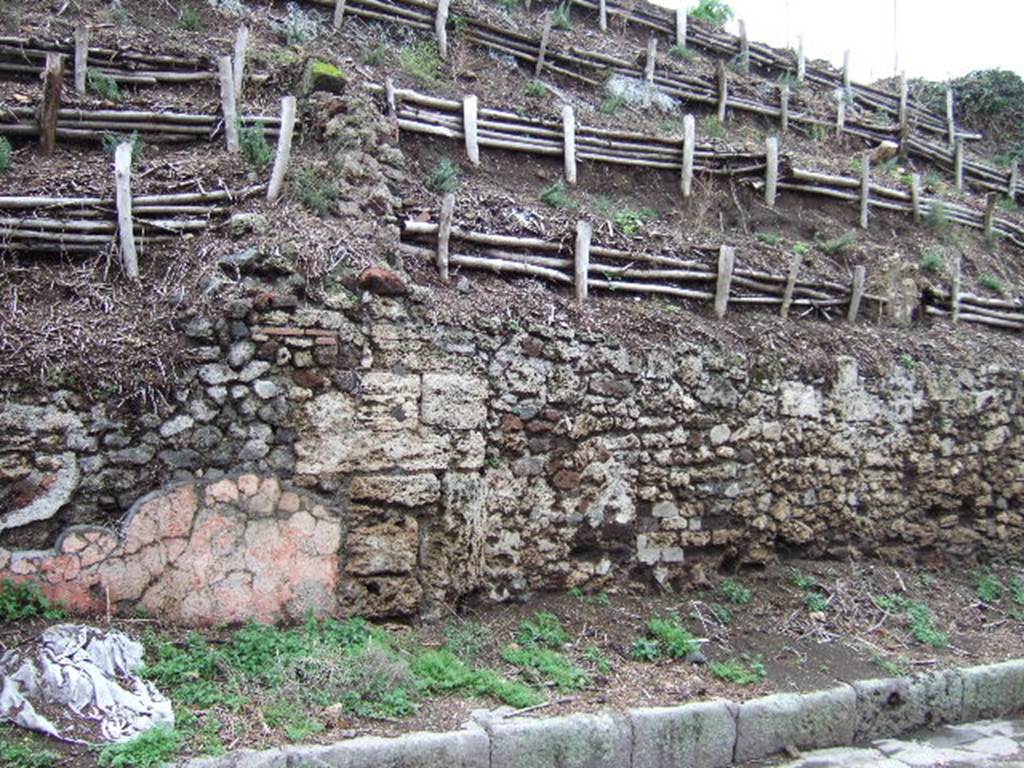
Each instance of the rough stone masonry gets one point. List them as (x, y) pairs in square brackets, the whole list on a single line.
[(360, 460)]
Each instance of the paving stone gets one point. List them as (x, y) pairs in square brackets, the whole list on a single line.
[(993, 690), (890, 707), (692, 736), (575, 741), (802, 721)]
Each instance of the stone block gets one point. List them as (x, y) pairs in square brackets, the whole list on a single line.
[(894, 706), (403, 490), (993, 690), (386, 548), (574, 741), (772, 724), (453, 401), (692, 736)]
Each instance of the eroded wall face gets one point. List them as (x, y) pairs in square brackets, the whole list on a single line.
[(362, 461)]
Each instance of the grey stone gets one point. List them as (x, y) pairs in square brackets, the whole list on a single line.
[(243, 223), (217, 394), (216, 373), (55, 496), (206, 438), (574, 741), (993, 690), (266, 389), (253, 450), (240, 260), (176, 426), (241, 352), (528, 466), (139, 455), (116, 440), (201, 411), (199, 328), (692, 736), (77, 440), (789, 720), (891, 707), (253, 370), (184, 459), (239, 392), (454, 401)]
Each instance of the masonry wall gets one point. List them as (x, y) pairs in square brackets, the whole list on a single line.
[(422, 464)]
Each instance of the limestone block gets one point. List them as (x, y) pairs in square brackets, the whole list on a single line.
[(386, 548), (891, 707), (772, 724), (693, 736), (55, 492), (800, 400), (403, 490), (575, 741), (993, 690), (452, 401)]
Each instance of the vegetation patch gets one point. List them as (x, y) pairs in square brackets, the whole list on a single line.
[(315, 191), (103, 85), (739, 672), (253, 143), (714, 12), (20, 600), (557, 196), (5, 153), (150, 749), (422, 61), (446, 176)]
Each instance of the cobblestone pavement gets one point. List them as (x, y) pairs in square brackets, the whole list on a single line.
[(997, 743)]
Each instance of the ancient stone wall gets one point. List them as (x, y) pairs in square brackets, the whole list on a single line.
[(431, 463)]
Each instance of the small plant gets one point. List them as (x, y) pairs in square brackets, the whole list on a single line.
[(739, 672), (254, 146), (735, 593), (837, 245), (714, 12), (788, 80), (922, 625), (24, 756), (990, 589), (445, 176), (535, 89), (769, 238), (5, 153), (612, 104), (889, 666), (546, 665), (815, 603), (189, 19), (937, 218), (992, 283), (149, 749), (1016, 587), (299, 27), (545, 629), (629, 222), (315, 192), (557, 197), (103, 85), (712, 127), (374, 56), (931, 261), (801, 580), (722, 614), (596, 656), (801, 249), (422, 61), (25, 600), (645, 649), (676, 641), (818, 132), (681, 52), (560, 18), (908, 362), (466, 639)]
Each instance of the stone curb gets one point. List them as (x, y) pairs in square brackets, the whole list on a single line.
[(704, 735)]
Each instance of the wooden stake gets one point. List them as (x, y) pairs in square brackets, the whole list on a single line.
[(81, 57), (723, 91), (787, 296), (602, 15), (681, 22), (569, 143), (227, 97), (339, 13), (954, 292), (847, 92), (958, 163), (990, 212), (53, 79), (856, 293), (1011, 190), (801, 61), (689, 144), (441, 28), (444, 232), (652, 53), (904, 116), (950, 123), (744, 47), (915, 196), (771, 174), (784, 108), (726, 261), (125, 228), (284, 148), (241, 47), (469, 129), (545, 35), (584, 232), (840, 116), (390, 96), (865, 189)]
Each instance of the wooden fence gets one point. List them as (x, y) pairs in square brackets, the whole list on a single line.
[(706, 274)]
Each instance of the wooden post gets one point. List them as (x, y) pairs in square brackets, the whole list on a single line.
[(856, 294), (652, 53), (726, 261), (469, 130), (958, 164), (784, 108), (689, 144), (284, 148), (227, 97), (954, 291), (81, 57), (801, 60), (53, 80), (441, 28), (950, 123), (787, 296), (744, 47), (339, 13), (1011, 191), (990, 212), (681, 27), (915, 196), (444, 233), (569, 143), (771, 174), (602, 15), (723, 91), (545, 35), (125, 226), (865, 189), (904, 116), (389, 94), (241, 47), (840, 116), (847, 91), (583, 234)]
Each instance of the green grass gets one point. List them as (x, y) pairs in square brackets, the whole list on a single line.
[(561, 17), (735, 593), (801, 580), (544, 629), (374, 55), (739, 672), (445, 177), (629, 221), (721, 613), (596, 657), (150, 749), (189, 18), (535, 89), (422, 61), (315, 191), (546, 666), (992, 283), (5, 153), (712, 127), (557, 196), (888, 666), (837, 245), (932, 261), (645, 649), (103, 85), (801, 249), (681, 52), (466, 639), (25, 600), (612, 104), (1016, 587), (675, 640), (769, 238), (922, 625), (24, 755), (815, 603), (253, 144), (441, 672), (990, 589)]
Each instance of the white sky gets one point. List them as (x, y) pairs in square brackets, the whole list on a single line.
[(937, 38)]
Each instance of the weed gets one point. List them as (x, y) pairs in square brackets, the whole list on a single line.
[(673, 637), (815, 603), (645, 649), (442, 672), (629, 222), (422, 61), (715, 12), (560, 17), (1009, 205), (596, 656), (1016, 587), (769, 238), (739, 672), (119, 15), (254, 146), (612, 104), (801, 580), (681, 52), (495, 462), (992, 283), (544, 629), (189, 18), (888, 666), (374, 56), (298, 726), (103, 85), (299, 27), (722, 614), (5, 153), (922, 625), (314, 190), (25, 756), (990, 589), (25, 600), (937, 218), (445, 176), (712, 127), (466, 639), (908, 362), (819, 132), (801, 249), (735, 593), (837, 245), (535, 89), (149, 749), (931, 261), (557, 197), (546, 665)]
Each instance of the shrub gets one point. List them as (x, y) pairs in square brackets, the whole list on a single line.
[(931, 261), (544, 629), (150, 749), (815, 603), (735, 593), (445, 176), (715, 12), (738, 672), (189, 19), (629, 222), (315, 192), (535, 89), (937, 218), (596, 656), (5, 153), (421, 60), (769, 238), (254, 146), (546, 665), (838, 244), (25, 600), (922, 625), (612, 104), (677, 642), (645, 649), (990, 590), (557, 197), (103, 85), (992, 283), (560, 17)]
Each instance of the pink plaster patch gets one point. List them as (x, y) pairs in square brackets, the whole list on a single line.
[(224, 492), (249, 484)]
